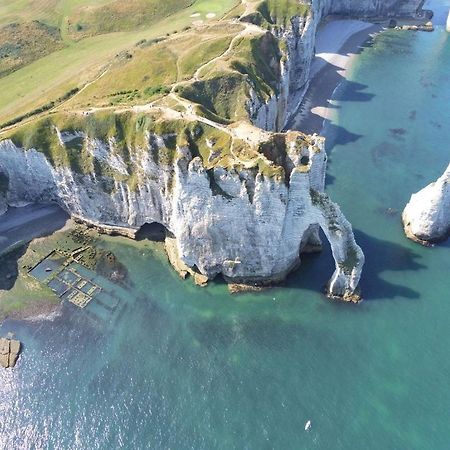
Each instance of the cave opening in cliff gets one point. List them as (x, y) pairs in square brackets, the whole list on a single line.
[(153, 231), (304, 160)]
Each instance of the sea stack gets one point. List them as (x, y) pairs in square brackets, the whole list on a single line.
[(426, 217)]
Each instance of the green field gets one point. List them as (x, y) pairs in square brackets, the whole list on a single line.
[(81, 61), (76, 56)]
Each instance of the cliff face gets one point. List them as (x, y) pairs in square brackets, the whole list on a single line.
[(298, 36), (370, 8), (298, 53), (248, 221), (426, 218)]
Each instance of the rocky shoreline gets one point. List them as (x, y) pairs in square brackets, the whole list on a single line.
[(329, 71)]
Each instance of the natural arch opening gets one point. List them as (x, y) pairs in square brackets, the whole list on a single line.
[(316, 265), (153, 232)]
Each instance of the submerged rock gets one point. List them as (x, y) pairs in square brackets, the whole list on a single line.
[(426, 218)]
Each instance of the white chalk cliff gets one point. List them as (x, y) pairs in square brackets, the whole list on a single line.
[(232, 204), (426, 217), (243, 224)]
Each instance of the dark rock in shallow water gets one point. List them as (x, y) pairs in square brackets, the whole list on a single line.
[(9, 352), (397, 133), (386, 151)]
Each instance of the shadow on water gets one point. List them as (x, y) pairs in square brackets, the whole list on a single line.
[(354, 92), (337, 135), (381, 256), (329, 179)]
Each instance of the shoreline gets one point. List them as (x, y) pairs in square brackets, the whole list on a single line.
[(328, 70), (23, 231), (25, 298)]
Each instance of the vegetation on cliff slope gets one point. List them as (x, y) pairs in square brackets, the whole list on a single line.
[(81, 61), (275, 13), (70, 140), (23, 43), (186, 90)]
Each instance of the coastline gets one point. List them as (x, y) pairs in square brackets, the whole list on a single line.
[(24, 297), (26, 234), (329, 68), (338, 43)]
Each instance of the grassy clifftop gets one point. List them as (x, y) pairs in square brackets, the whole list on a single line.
[(275, 13), (67, 138), (49, 75), (189, 89)]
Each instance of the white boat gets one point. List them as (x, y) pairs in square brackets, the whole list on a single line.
[(448, 22), (308, 425)]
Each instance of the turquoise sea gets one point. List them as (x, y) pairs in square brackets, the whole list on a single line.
[(180, 367)]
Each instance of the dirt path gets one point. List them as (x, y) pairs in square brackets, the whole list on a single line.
[(248, 29), (238, 132)]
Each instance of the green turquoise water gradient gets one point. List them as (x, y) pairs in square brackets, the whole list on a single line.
[(180, 367)]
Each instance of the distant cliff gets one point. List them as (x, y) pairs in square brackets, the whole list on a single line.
[(298, 35)]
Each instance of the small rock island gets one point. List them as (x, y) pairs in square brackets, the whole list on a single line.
[(9, 352), (426, 218)]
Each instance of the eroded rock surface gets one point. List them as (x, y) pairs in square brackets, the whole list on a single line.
[(247, 216)]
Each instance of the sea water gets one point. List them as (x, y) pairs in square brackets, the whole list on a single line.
[(181, 367)]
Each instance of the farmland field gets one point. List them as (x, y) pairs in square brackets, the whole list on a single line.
[(82, 60)]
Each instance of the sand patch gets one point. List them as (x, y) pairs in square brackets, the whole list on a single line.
[(196, 23), (210, 15), (195, 15)]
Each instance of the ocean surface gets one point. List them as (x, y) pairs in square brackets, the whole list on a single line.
[(175, 366)]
